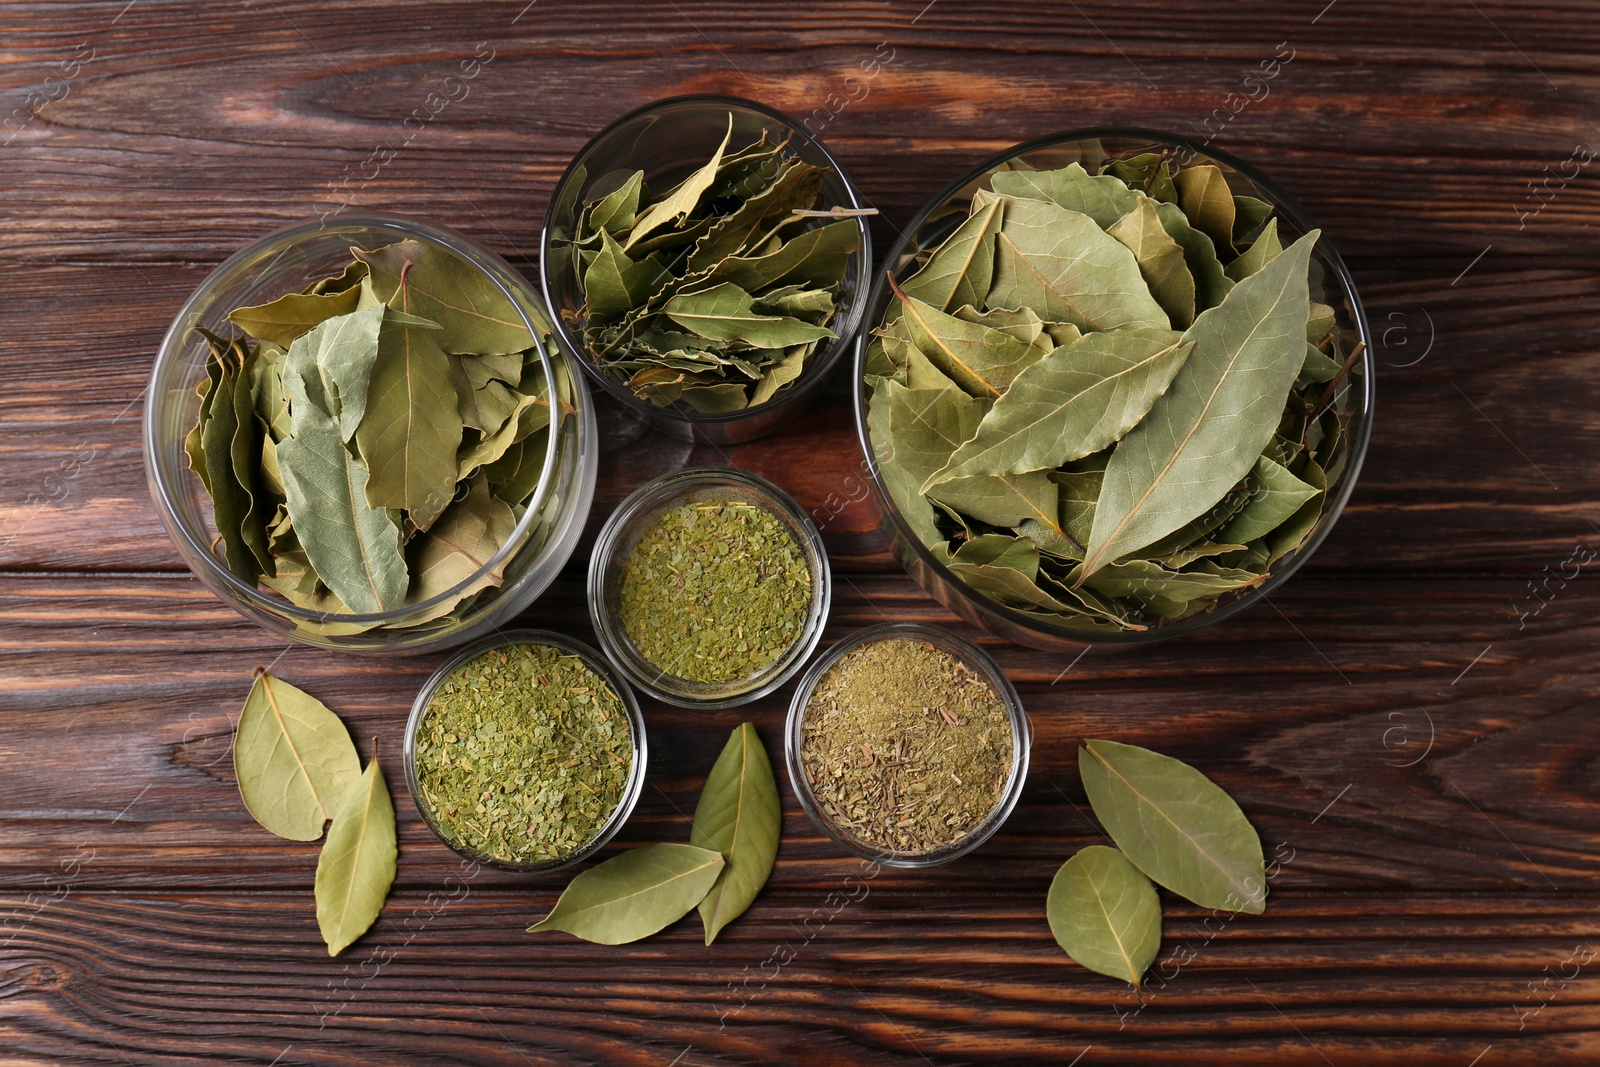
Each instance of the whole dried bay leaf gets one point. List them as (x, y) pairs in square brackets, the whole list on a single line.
[(1073, 402), (1275, 495), (1203, 435), (1262, 251), (1204, 196), (1005, 500), (614, 283), (813, 257), (739, 816), (726, 312), (1105, 914), (1175, 825), (429, 281), (411, 428), (1160, 259), (961, 269), (357, 865), (634, 894), (682, 201), (1065, 267), (983, 361), (457, 546), (334, 360), (914, 432), (283, 320), (353, 546), (1103, 198), (293, 760)]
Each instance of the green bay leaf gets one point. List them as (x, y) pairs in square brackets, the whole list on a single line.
[(1105, 914), (1160, 259), (293, 314), (961, 269), (615, 284), (814, 257), (357, 864), (293, 760), (1204, 433), (739, 816), (726, 312), (1101, 197), (634, 894), (1205, 198), (914, 432), (983, 361), (681, 202), (475, 315), (1175, 825), (334, 360), (1275, 495)]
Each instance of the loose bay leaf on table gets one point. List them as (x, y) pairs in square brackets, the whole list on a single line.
[(1204, 196), (725, 313), (1161, 260), (740, 817), (354, 547), (634, 894), (682, 201), (1203, 435), (1105, 914), (1066, 268), (357, 865), (983, 361), (1175, 825), (1102, 197), (411, 428), (293, 760), (961, 270), (1073, 402)]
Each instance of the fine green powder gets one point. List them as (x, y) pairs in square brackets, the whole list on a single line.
[(523, 753), (905, 748), (715, 591)]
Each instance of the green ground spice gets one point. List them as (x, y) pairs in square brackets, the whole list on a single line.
[(715, 591), (904, 746), (523, 753)]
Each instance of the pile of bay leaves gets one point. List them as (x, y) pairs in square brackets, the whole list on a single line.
[(1104, 400), (717, 291), (376, 444)]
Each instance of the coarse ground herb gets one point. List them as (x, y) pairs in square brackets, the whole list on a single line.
[(904, 746), (715, 591), (523, 753)]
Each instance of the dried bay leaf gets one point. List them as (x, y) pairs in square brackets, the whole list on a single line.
[(914, 432), (1003, 499), (725, 312), (1211, 282), (1175, 825), (634, 894), (1065, 267), (1073, 402), (357, 865), (1275, 495), (739, 816), (813, 257), (354, 547), (283, 320), (431, 282), (615, 283), (983, 361), (464, 538), (1262, 251), (1160, 260), (1205, 198), (683, 200), (293, 759), (961, 270), (411, 428), (334, 361), (1105, 914), (1203, 435), (1103, 198)]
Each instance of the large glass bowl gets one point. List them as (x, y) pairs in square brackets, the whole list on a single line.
[(668, 140), (1330, 283), (286, 262)]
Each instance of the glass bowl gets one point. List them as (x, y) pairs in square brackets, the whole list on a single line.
[(966, 653), (668, 140), (621, 534), (1331, 283), (285, 262), (595, 662)]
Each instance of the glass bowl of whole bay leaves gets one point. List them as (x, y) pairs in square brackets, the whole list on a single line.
[(709, 259), (359, 434), (1113, 386)]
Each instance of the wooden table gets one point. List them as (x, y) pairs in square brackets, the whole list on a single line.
[(1412, 723)]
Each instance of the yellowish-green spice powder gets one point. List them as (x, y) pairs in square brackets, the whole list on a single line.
[(523, 753), (715, 591), (905, 747)]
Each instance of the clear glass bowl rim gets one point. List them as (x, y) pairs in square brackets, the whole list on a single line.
[(975, 658), (1359, 441), (846, 330), (596, 662), (626, 515), (175, 339)]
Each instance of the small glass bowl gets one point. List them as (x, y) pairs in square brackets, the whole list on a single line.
[(668, 140), (595, 662), (963, 651), (1331, 283), (285, 262), (621, 534)]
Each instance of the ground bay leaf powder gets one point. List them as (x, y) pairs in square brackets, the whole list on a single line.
[(904, 746)]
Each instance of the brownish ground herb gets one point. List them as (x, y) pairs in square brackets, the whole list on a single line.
[(904, 746), (715, 590), (523, 753)]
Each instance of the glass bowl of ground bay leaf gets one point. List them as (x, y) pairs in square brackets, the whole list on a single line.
[(709, 258), (525, 751), (907, 744), (709, 587), (359, 434), (1113, 387)]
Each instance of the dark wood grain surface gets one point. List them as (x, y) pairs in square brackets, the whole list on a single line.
[(1413, 723)]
